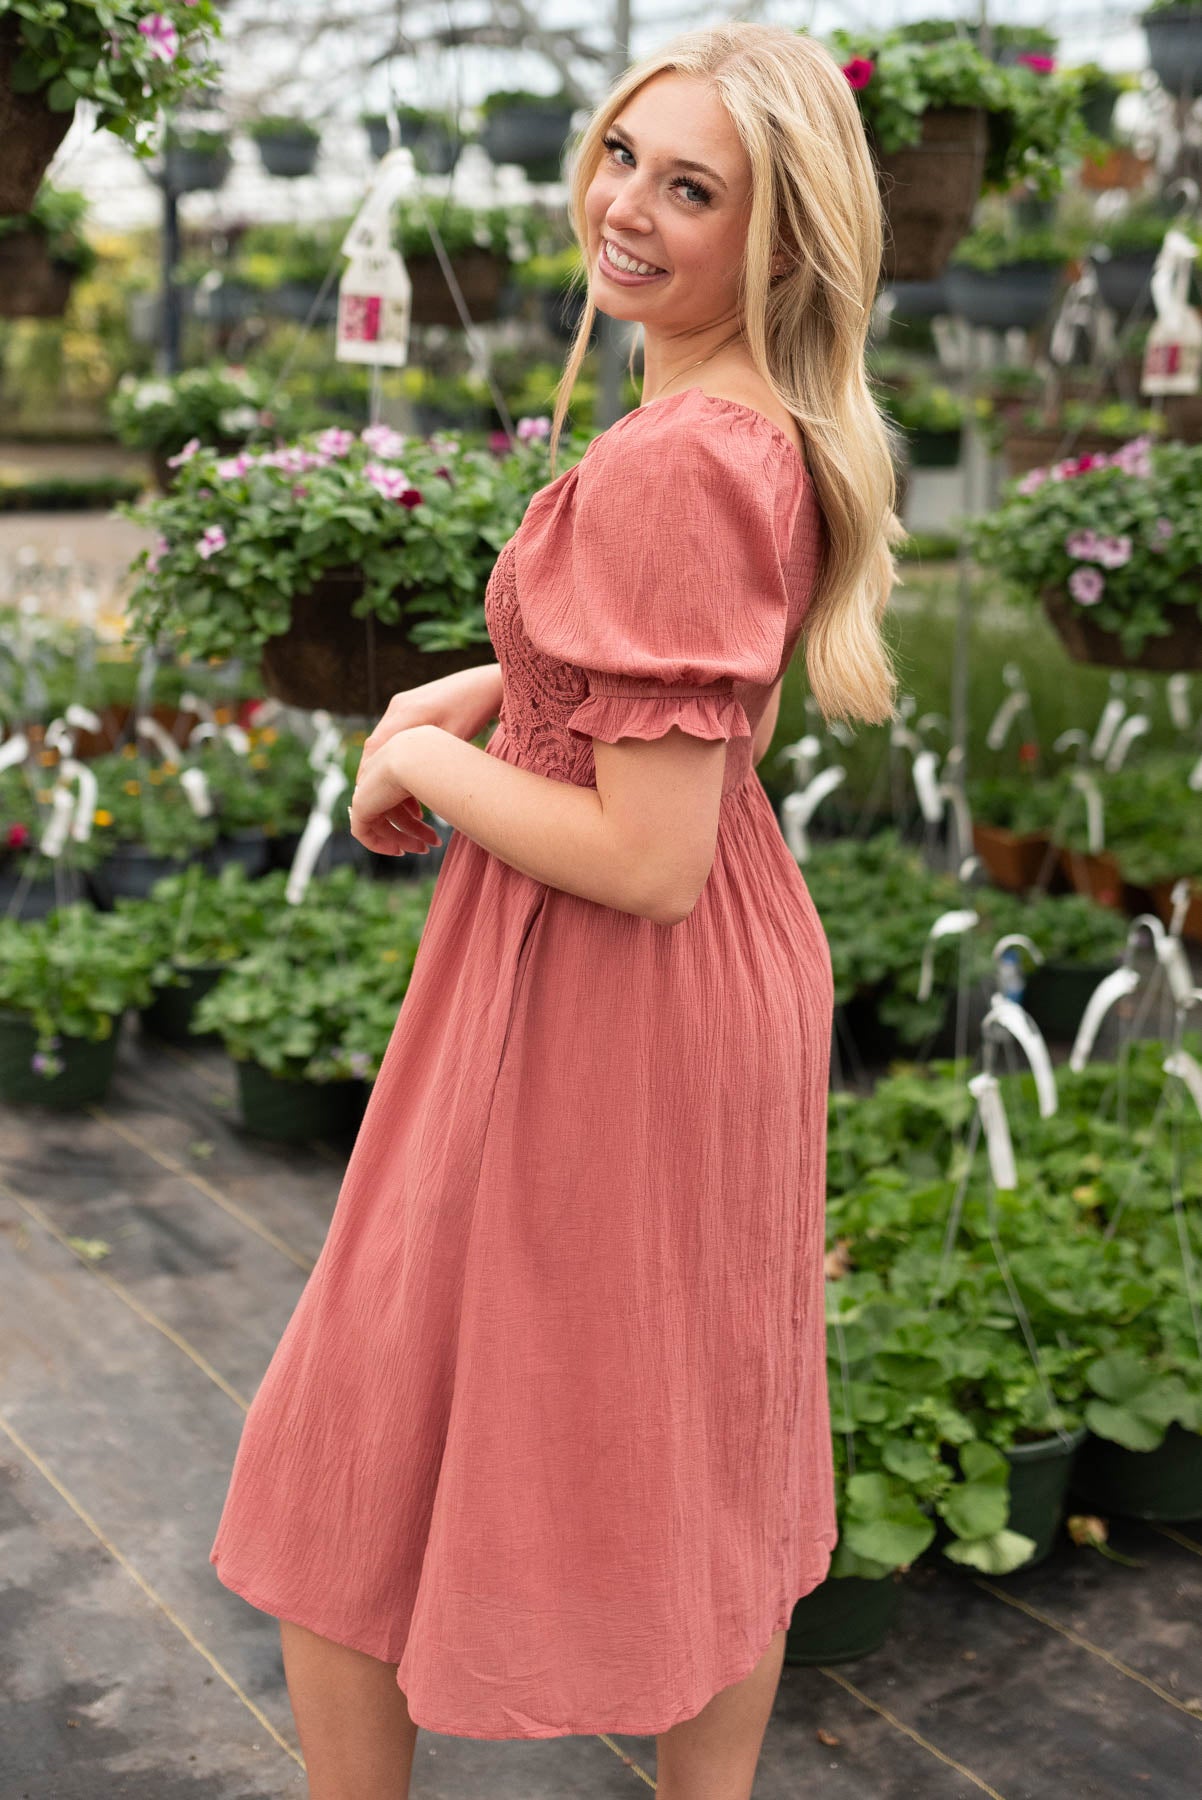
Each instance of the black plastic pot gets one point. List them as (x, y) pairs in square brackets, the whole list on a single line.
[(249, 848), (169, 1015), (289, 157), (130, 872), (294, 1111), (41, 896), (1141, 1484), (1175, 48), (189, 171), (1039, 1478), (1016, 294), (1125, 280), (935, 449), (1056, 995), (529, 135), (842, 1618), (85, 1076)]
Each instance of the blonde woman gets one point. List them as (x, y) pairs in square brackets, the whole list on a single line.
[(545, 1447)]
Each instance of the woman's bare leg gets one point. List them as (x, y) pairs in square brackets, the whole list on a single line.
[(355, 1732), (714, 1756)]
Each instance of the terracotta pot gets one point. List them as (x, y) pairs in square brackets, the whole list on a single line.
[(929, 190), (328, 658), (32, 285), (480, 274), (1099, 877), (29, 132), (1121, 167), (1088, 642), (1014, 859)]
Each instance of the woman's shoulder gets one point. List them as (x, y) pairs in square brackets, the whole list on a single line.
[(696, 430)]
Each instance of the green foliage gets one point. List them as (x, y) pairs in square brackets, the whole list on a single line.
[(216, 405), (997, 246), (423, 521), (1141, 227), (283, 125), (1026, 540), (923, 406), (503, 99), (72, 50), (57, 214), (75, 972), (65, 493)]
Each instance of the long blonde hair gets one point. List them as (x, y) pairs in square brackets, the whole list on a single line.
[(814, 195)]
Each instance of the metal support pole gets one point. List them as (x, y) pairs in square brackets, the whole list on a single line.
[(610, 332), (169, 357)]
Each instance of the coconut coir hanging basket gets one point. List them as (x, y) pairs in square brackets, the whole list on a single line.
[(929, 190), (329, 659), (29, 132), (1088, 642)]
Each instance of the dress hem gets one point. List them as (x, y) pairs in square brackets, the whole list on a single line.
[(689, 1711)]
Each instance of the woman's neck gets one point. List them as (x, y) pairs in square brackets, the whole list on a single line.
[(671, 364)]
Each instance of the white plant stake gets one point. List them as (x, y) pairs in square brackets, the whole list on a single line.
[(195, 784), (14, 751), (62, 805), (1110, 990), (796, 810), (1177, 694), (1085, 784), (802, 755), (1186, 1069), (954, 791), (1108, 724), (926, 783), (194, 703), (82, 717), (948, 924), (998, 1143), (1010, 1017), (149, 728), (318, 827), (1004, 717)]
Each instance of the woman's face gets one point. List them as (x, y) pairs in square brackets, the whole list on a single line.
[(672, 190)]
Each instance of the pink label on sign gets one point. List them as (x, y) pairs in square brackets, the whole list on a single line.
[(360, 319)]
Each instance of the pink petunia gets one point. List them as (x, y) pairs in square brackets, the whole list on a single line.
[(211, 540), (230, 467), (1113, 552), (392, 483), (1083, 545), (498, 443), (185, 455), (529, 429), (1133, 457), (383, 441), (859, 71), (1086, 586), (1042, 65), (1032, 481), (335, 441), (1162, 531), (162, 39)]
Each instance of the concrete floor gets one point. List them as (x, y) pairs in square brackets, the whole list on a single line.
[(150, 1257)]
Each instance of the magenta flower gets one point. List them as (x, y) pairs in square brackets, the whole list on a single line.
[(335, 441), (1083, 545), (185, 455), (162, 39), (211, 540), (528, 429), (498, 443), (859, 71), (382, 440), (411, 497), (1086, 586), (1042, 65), (1113, 552)]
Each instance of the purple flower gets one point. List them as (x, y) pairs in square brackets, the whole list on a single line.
[(1086, 586), (1113, 552), (382, 440), (335, 441), (1083, 545), (360, 1063), (185, 455), (530, 428), (212, 540), (162, 39), (44, 1062)]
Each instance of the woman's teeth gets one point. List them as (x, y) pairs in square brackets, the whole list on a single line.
[(620, 260)]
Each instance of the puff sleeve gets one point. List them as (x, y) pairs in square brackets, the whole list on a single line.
[(660, 570)]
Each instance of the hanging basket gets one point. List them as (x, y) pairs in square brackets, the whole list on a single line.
[(1016, 294), (1174, 37), (289, 157), (32, 285), (481, 276), (29, 132), (191, 171), (929, 190), (529, 135), (328, 658), (842, 1618), (1124, 280), (1029, 447), (1179, 650)]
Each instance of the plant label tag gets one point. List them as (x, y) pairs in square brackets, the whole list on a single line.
[(926, 783), (17, 749), (1108, 724), (1177, 694), (1085, 784), (1111, 989), (149, 727), (797, 809), (1186, 1069), (196, 787), (1004, 717), (1027, 1035), (375, 298), (55, 835), (82, 717), (318, 827), (1173, 355), (948, 924), (992, 1109)]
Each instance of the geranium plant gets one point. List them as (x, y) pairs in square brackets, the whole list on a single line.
[(1035, 126), (1119, 535), (420, 520), (129, 58), (74, 973)]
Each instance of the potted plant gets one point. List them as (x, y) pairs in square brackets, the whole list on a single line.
[(1040, 435), (933, 420), (287, 266), (528, 129), (287, 146), (1125, 251), (478, 243), (558, 279), (1100, 90), (1012, 820), (999, 277), (945, 122), (1173, 29), (1143, 1457), (194, 161), (146, 826), (33, 885), (1111, 548), (42, 253), (65, 983), (199, 924), (225, 407), (128, 62), (323, 556)]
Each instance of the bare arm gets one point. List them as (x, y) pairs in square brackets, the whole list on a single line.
[(641, 841)]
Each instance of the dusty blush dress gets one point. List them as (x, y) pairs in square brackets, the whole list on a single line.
[(548, 1427)]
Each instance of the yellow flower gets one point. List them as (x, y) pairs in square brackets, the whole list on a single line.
[(170, 768), (389, 955), (223, 715), (268, 735), (48, 758), (156, 777), (133, 787), (45, 796), (129, 751), (100, 817), (259, 761)]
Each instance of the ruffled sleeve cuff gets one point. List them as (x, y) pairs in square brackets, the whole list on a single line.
[(652, 711)]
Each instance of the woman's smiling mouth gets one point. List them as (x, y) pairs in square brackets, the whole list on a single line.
[(621, 267)]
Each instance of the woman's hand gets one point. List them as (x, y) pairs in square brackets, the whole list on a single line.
[(462, 704), (385, 816)]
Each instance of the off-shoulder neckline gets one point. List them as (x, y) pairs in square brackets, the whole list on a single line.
[(740, 406)]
